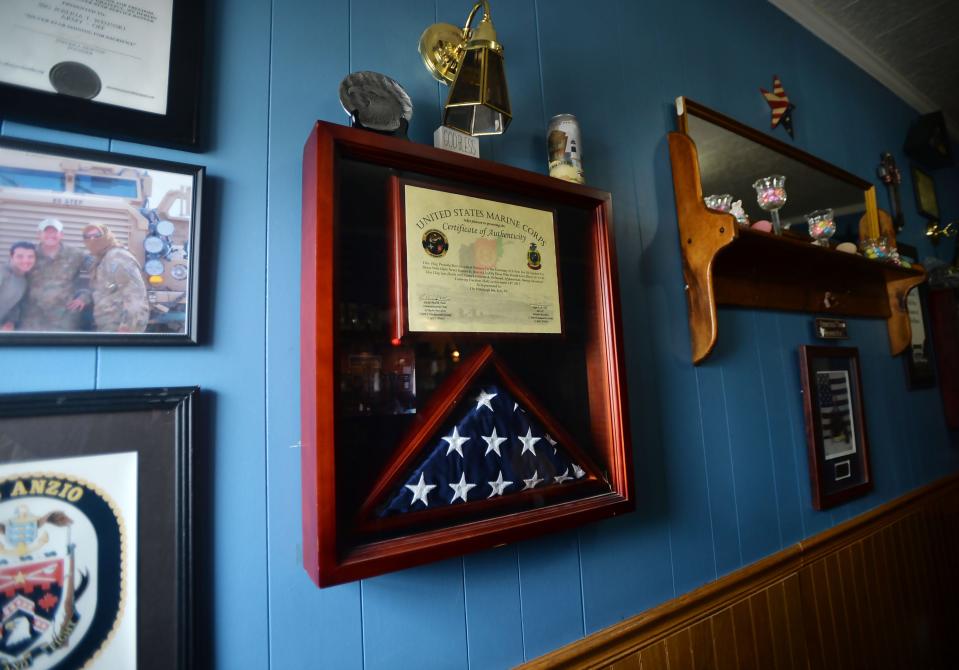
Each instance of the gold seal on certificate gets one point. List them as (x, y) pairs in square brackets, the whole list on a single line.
[(475, 265)]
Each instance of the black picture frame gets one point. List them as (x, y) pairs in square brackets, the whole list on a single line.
[(178, 127), (924, 187), (79, 187), (156, 423), (918, 360), (838, 446)]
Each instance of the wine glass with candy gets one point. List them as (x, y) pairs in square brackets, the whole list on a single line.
[(822, 226), (771, 196)]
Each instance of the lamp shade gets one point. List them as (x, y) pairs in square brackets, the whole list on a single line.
[(478, 101)]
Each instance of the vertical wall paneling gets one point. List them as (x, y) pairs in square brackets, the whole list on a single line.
[(415, 619), (309, 56), (744, 636), (679, 651), (383, 38), (723, 633), (524, 144), (762, 632), (658, 311), (701, 645), (492, 593), (717, 453), (720, 450), (551, 590)]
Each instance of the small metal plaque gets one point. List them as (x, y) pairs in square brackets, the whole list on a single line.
[(454, 140), (831, 329)]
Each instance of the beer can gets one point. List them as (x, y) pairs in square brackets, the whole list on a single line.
[(563, 146)]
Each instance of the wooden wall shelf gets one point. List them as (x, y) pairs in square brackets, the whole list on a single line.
[(724, 264)]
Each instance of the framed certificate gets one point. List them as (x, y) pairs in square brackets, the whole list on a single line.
[(925, 188), (462, 380), (467, 264), (121, 69)]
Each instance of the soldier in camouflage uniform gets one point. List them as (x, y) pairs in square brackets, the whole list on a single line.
[(54, 296), (13, 282), (120, 302)]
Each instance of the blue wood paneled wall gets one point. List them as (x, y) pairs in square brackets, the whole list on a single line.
[(720, 449)]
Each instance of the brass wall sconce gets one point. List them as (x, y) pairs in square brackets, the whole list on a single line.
[(471, 62), (936, 232)]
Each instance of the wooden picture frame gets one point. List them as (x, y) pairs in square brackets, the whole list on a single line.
[(379, 401), (924, 186), (838, 446), (77, 109), (944, 314), (112, 466), (144, 293)]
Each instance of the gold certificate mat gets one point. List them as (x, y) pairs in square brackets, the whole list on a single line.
[(475, 265)]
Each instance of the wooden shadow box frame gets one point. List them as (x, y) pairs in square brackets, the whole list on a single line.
[(843, 382), (352, 305)]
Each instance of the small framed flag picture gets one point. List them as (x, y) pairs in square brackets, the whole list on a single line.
[(835, 424)]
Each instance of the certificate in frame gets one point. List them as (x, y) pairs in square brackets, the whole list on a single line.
[(97, 491), (471, 265), (924, 186), (838, 447), (76, 108), (533, 427)]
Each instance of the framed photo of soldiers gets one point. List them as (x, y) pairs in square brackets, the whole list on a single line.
[(96, 247), (95, 529), (129, 70), (835, 424), (462, 373)]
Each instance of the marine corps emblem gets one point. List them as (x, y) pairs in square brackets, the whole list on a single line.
[(534, 261), (60, 591), (435, 243)]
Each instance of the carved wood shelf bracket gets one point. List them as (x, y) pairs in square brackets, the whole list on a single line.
[(724, 264)]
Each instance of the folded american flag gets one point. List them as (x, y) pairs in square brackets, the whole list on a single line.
[(494, 448)]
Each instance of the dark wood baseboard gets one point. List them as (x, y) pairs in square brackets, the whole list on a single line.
[(878, 591)]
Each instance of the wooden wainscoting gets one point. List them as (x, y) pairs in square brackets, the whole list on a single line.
[(879, 591)]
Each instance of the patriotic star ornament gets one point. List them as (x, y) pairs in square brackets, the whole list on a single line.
[(780, 106)]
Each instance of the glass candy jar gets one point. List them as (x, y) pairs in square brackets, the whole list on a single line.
[(822, 226), (771, 196), (720, 203)]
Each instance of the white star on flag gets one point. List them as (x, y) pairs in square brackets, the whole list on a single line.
[(528, 442), (532, 481), (456, 442), (420, 490), (483, 399), (559, 479), (498, 485), (460, 488), (493, 442), (578, 471)]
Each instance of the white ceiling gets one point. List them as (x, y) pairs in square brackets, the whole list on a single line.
[(911, 46)]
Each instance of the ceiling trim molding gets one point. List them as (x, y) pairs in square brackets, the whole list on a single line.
[(842, 41)]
